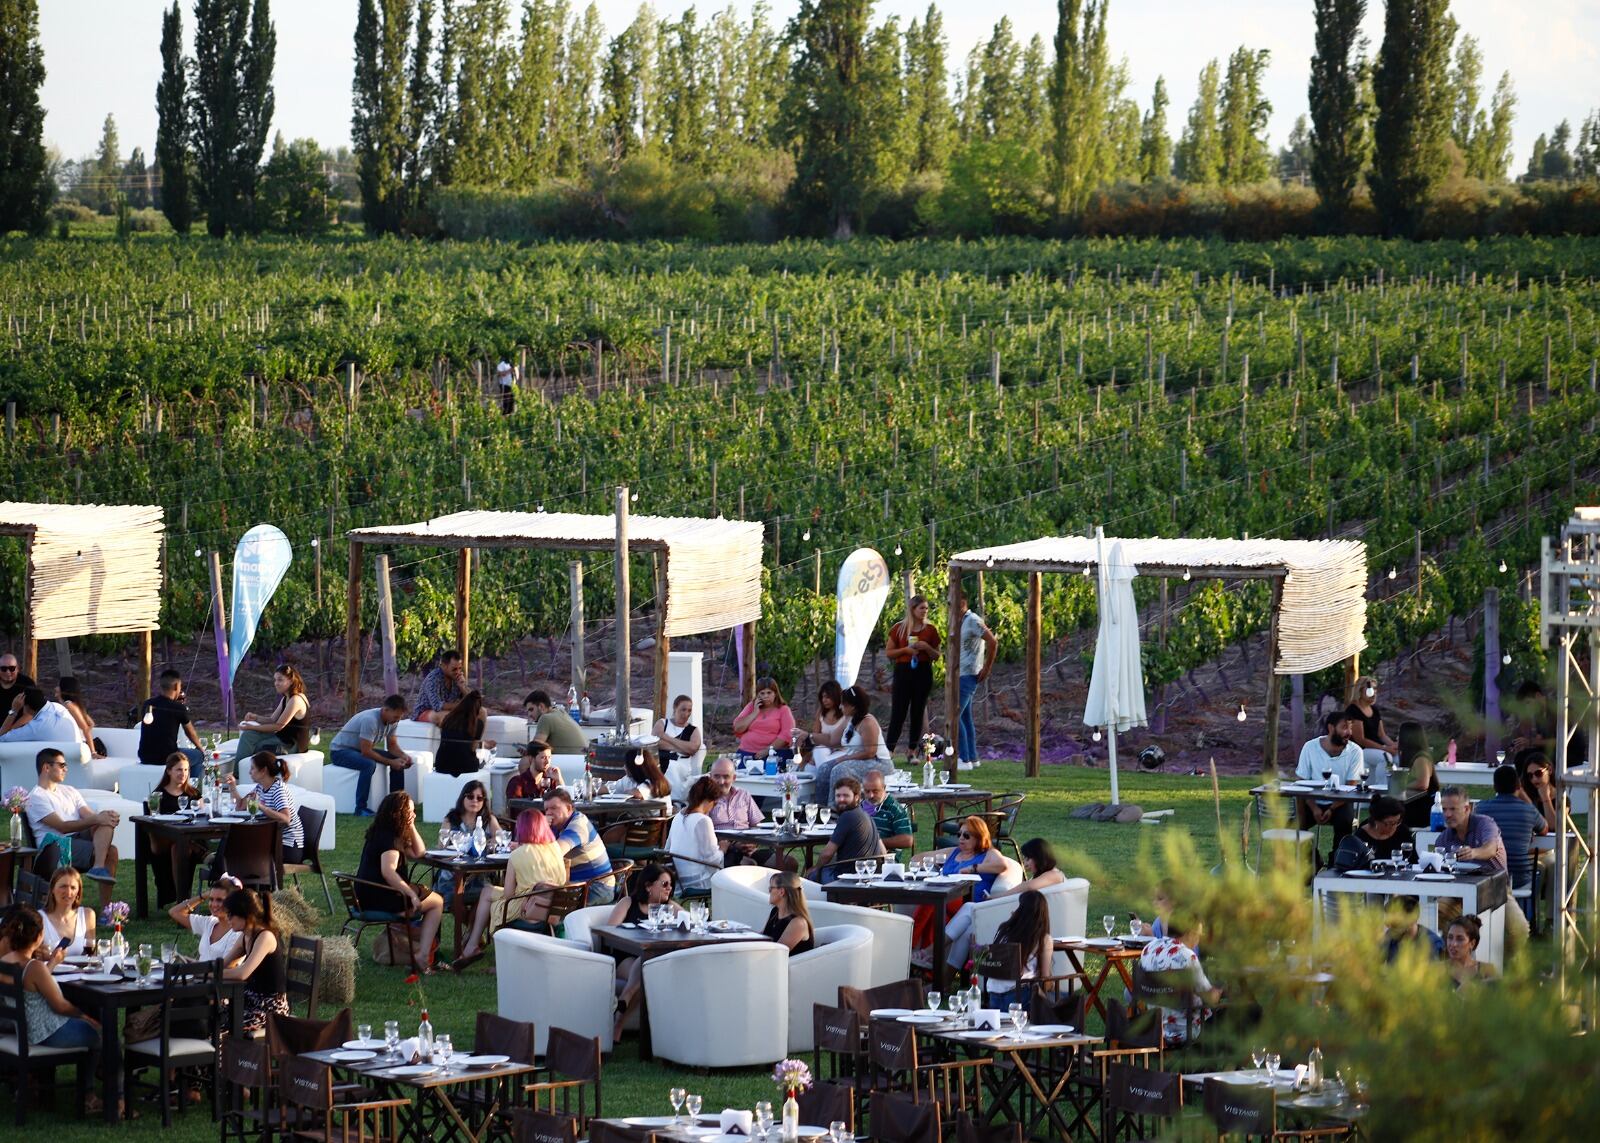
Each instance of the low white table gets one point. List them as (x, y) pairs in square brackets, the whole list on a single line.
[(766, 785)]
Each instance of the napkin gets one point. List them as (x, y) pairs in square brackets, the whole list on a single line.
[(735, 1122), (987, 1019), (893, 871), (1427, 862), (409, 1050)]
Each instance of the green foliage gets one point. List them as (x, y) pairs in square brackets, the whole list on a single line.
[(230, 108), (1243, 124), (1198, 158), (296, 196), (1155, 144), (824, 116), (25, 187), (1338, 119), (992, 188), (1080, 155), (1412, 91), (172, 125)]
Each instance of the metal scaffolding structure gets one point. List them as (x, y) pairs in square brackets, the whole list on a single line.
[(1569, 619)]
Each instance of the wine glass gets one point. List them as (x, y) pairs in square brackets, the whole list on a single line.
[(1258, 1056), (169, 952), (1133, 926), (836, 1130), (1272, 1061), (443, 1049), (364, 1034), (1110, 923), (1019, 1019), (1499, 757), (1327, 776), (183, 803), (141, 962), (691, 1104), (675, 1096), (934, 997), (811, 813), (825, 814)]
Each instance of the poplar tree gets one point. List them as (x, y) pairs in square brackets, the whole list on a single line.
[(378, 110), (1198, 158), (1155, 144), (173, 161), (1080, 155), (25, 186), (107, 169), (927, 91), (1338, 119), (1412, 89), (824, 115), (1000, 90), (1244, 115), (627, 87), (230, 107)]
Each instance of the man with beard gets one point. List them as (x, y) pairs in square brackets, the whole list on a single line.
[(1335, 752)]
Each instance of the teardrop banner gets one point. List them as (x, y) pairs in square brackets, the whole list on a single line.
[(259, 564), (863, 590)]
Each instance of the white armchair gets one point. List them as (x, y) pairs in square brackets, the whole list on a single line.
[(440, 791), (554, 983), (890, 959), (578, 925), (739, 893), (1069, 907), (719, 1006), (843, 956)]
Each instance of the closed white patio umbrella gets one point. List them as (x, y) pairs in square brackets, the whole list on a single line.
[(1116, 685)]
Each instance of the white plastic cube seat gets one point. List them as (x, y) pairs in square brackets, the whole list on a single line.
[(122, 835), (305, 770), (440, 791), (97, 773), (136, 782), (508, 732)]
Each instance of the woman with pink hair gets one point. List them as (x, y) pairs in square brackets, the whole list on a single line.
[(535, 863)]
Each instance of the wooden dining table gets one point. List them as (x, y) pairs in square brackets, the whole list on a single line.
[(180, 829), (491, 866), (636, 940), (1115, 957), (435, 1112)]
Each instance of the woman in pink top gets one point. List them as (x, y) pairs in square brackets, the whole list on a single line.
[(765, 723)]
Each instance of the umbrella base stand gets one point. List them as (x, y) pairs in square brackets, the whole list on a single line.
[(1126, 813)]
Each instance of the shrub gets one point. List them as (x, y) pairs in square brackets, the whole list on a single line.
[(69, 210)]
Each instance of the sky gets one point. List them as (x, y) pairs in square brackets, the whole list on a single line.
[(103, 56)]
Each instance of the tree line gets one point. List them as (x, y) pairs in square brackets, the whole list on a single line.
[(833, 123)]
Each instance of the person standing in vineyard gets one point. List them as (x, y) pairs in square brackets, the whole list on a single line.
[(507, 377), (441, 689), (913, 645), (978, 646)]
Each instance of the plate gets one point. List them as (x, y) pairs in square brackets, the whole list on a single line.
[(977, 1034), (101, 978), (1435, 877), (442, 853), (1102, 942), (920, 1018), (1137, 942), (169, 817), (1468, 866), (485, 1061), (68, 977), (362, 1045), (855, 877), (413, 1070), (352, 1057), (886, 1013), (1362, 873), (1053, 1029)]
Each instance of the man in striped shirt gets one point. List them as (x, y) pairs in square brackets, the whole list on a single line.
[(586, 855)]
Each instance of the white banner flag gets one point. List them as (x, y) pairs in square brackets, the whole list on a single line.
[(863, 589)]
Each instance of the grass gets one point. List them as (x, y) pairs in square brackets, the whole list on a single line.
[(1107, 853)]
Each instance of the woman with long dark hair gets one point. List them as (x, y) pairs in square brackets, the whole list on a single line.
[(642, 777), (287, 730), (271, 776), (260, 964), (1029, 929), (460, 736), (861, 746), (828, 727), (175, 860), (392, 837), (912, 646), (1419, 773), (650, 886)]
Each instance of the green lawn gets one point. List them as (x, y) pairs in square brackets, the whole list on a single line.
[(632, 1087)]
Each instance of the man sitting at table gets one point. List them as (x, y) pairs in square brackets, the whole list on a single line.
[(57, 813), (890, 818), (1474, 836), (854, 835), (554, 725), (1172, 962), (1403, 928), (1380, 836), (1336, 752), (1519, 823), (587, 860)]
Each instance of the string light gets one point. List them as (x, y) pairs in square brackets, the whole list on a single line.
[(1391, 573), (1502, 567), (1085, 569), (538, 508), (989, 563), (806, 535), (198, 553), (1241, 716), (1096, 734), (897, 549), (315, 542), (634, 496), (149, 717), (1506, 658), (1185, 575)]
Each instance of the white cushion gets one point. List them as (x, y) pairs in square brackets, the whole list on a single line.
[(440, 791), (180, 1046), (340, 781), (122, 835), (554, 983), (305, 769), (1069, 906), (720, 1006), (739, 893), (120, 742), (8, 1047), (843, 956), (18, 766), (97, 773), (578, 925), (137, 781), (412, 736), (507, 732)]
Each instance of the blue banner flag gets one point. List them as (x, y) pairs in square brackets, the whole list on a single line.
[(259, 564)]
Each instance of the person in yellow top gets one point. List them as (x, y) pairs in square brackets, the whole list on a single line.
[(536, 861)]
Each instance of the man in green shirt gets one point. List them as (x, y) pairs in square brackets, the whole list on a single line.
[(554, 725), (888, 815)]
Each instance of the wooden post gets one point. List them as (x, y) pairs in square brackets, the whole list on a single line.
[(747, 681), (316, 549), (464, 607), (146, 652), (352, 631), (1270, 749), (1035, 654), (624, 703), (952, 667), (1158, 721), (575, 590), (663, 644), (30, 645), (391, 672), (1297, 708), (816, 571), (219, 618), (1491, 672), (1352, 672)]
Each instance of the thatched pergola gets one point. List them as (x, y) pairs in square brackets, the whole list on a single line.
[(1319, 608), (92, 569), (707, 574)]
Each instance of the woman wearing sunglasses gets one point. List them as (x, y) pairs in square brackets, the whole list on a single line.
[(974, 852)]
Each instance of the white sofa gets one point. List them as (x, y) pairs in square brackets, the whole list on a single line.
[(508, 732), (1069, 908), (843, 956), (739, 893), (719, 1006), (122, 836), (18, 765), (340, 781), (554, 983)]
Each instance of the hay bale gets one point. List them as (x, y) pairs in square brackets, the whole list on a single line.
[(294, 914), (339, 959)]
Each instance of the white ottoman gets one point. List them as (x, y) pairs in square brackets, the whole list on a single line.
[(305, 770), (440, 791), (97, 773), (122, 836), (508, 732), (340, 781)]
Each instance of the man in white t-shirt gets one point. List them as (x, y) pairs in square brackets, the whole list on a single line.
[(1334, 751), (34, 718), (978, 646), (58, 813), (507, 377), (217, 936)]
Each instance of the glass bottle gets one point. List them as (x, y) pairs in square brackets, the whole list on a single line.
[(1314, 1067), (425, 1037)]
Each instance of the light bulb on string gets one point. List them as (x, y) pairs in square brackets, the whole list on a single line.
[(1391, 573), (1086, 569), (633, 496), (1502, 567), (1241, 716), (1506, 658), (198, 553), (949, 750), (806, 535), (1096, 734), (1185, 575), (897, 549), (538, 507), (989, 563), (149, 717), (316, 542)]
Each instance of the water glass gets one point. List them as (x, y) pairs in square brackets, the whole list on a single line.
[(443, 1049), (364, 1033), (1258, 1057), (811, 813), (183, 803), (1014, 1011), (691, 1104), (763, 1116), (169, 952), (825, 814), (142, 961), (836, 1130), (1272, 1061), (391, 1038)]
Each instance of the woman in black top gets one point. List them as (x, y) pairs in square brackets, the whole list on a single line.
[(689, 739), (180, 861), (260, 963), (1367, 719), (650, 885), (287, 730), (789, 923), (471, 811), (383, 887), (460, 734)]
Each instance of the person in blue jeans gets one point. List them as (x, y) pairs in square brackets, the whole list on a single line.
[(978, 646), (53, 1020), (363, 745)]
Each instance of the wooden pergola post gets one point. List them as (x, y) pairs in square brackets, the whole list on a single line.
[(464, 607), (30, 645), (1269, 763), (352, 630), (663, 644), (952, 667), (1035, 654), (575, 589), (624, 702), (1352, 672), (146, 653), (747, 681)]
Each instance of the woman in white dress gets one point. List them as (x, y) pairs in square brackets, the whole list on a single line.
[(692, 836), (66, 918)]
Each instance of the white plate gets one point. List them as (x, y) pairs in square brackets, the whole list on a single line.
[(1362, 873), (101, 978), (413, 1070), (352, 1057), (498, 857), (886, 1013), (68, 977), (1435, 877), (1102, 942), (1054, 1029), (920, 1018), (1468, 866), (485, 1061), (855, 876), (362, 1045), (169, 817), (977, 1034), (652, 1121), (442, 853)]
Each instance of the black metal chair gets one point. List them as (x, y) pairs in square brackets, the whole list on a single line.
[(303, 973), (187, 1043), (360, 919), (311, 823), (21, 1059)]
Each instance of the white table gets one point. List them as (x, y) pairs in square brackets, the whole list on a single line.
[(1486, 894), (1482, 774), (766, 785)]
